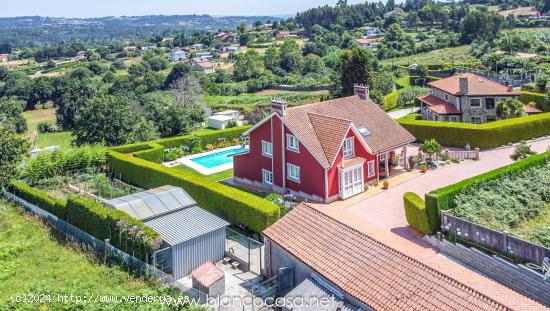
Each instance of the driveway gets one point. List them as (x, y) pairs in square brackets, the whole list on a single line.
[(403, 112), (386, 211)]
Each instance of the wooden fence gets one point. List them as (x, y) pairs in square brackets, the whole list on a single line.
[(499, 241)]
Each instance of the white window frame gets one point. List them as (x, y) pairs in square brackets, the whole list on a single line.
[(289, 172), (348, 147), (476, 117), (480, 105), (264, 152), (292, 147), (269, 180), (371, 171)]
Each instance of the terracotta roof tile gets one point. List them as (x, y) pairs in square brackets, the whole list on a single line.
[(477, 86), (351, 162), (439, 105), (330, 133), (375, 273), (385, 133), (531, 110)]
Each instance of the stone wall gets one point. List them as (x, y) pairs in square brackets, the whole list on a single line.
[(517, 277)]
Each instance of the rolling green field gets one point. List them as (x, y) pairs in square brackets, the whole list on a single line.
[(32, 262), (448, 56)]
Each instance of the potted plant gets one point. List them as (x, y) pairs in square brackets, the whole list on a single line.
[(375, 183), (424, 168), (385, 185)]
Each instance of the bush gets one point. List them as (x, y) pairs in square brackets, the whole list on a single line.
[(237, 206), (540, 99), (205, 138), (486, 135), (441, 199), (126, 233), (415, 211)]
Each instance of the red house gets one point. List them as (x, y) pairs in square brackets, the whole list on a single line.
[(321, 152)]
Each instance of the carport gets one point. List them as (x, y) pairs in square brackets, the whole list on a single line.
[(191, 236)]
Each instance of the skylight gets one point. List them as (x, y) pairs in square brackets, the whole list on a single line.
[(364, 131)]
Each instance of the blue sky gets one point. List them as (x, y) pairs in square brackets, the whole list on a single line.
[(96, 8)]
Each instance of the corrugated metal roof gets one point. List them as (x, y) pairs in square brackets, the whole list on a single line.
[(185, 224), (311, 290), (153, 203)]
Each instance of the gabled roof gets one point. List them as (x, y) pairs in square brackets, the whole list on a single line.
[(377, 274), (438, 105), (477, 86), (385, 133), (330, 133)]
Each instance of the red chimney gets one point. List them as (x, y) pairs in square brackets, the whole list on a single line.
[(361, 90)]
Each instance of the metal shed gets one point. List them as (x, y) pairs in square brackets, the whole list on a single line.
[(192, 235)]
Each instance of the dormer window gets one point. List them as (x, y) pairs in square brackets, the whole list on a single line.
[(348, 148), (292, 143)]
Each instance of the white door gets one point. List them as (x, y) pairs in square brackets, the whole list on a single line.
[(352, 182)]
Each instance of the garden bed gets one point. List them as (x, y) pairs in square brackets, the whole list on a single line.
[(516, 202)]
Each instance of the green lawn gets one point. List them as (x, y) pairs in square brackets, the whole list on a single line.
[(34, 117), (247, 101), (32, 262), (214, 177), (456, 55), (63, 139)]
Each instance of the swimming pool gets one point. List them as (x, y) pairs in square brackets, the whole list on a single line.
[(216, 159)]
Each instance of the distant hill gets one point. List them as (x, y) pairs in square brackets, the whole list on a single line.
[(37, 31)]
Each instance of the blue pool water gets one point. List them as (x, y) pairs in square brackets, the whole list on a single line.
[(219, 158)]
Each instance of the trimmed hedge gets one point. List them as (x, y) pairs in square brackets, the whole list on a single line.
[(206, 138), (486, 135), (95, 219), (541, 100), (237, 206), (415, 211), (441, 199)]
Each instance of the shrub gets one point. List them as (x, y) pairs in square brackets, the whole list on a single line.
[(126, 233), (486, 135), (235, 205), (415, 211), (442, 199), (522, 151), (430, 147), (540, 99), (205, 138)]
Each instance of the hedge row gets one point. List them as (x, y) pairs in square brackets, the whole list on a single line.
[(237, 206), (541, 100), (486, 135), (125, 232), (415, 211), (441, 199), (153, 151)]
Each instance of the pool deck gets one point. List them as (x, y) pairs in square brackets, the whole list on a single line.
[(187, 161)]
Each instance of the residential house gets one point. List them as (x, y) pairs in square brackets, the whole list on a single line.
[(205, 56), (131, 48), (314, 254), (371, 32), (466, 97), (367, 42), (198, 46), (229, 49), (148, 48), (227, 37), (321, 152), (178, 55), (221, 120), (204, 67)]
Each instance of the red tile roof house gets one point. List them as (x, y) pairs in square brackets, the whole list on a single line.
[(361, 270), (466, 98), (321, 152)]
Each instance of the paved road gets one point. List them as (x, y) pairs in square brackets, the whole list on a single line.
[(386, 209), (403, 112)]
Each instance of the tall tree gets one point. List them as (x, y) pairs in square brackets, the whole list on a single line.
[(105, 119), (355, 67), (12, 150), (69, 97), (11, 114)]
